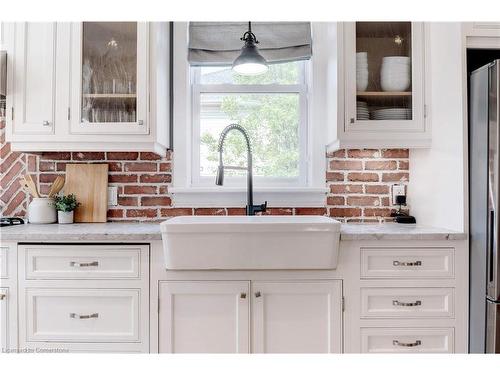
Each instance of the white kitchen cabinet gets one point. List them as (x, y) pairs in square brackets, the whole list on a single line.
[(33, 77), (8, 297), (91, 86), (214, 316), (382, 87), (4, 317), (84, 298), (204, 317), (109, 64), (297, 317)]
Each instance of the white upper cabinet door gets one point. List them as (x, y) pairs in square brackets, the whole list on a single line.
[(384, 85), (110, 78), (297, 317), (204, 317), (34, 77)]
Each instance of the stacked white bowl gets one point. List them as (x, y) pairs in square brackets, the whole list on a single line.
[(395, 73), (362, 111), (361, 71)]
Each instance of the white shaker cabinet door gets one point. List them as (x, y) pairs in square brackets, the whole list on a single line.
[(204, 317), (297, 317), (33, 77)]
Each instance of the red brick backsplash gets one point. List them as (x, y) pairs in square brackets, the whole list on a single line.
[(359, 183)]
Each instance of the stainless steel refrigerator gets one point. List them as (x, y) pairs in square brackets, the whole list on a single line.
[(484, 208)]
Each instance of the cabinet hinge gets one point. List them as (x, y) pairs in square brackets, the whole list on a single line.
[(12, 113), (343, 303), (69, 113)]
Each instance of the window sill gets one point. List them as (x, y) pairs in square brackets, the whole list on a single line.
[(236, 197)]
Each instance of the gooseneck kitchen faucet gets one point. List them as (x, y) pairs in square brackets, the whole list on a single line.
[(251, 209)]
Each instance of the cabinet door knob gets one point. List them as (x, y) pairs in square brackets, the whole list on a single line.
[(257, 294), (2, 296), (406, 344), (243, 295), (46, 123), (78, 316), (140, 122)]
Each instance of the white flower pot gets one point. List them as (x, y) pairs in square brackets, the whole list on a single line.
[(65, 217), (42, 211)]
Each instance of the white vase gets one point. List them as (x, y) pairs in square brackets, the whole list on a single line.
[(65, 217), (42, 211)]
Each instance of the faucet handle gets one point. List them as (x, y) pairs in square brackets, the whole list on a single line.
[(263, 207)]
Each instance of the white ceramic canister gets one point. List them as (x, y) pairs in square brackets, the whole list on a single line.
[(65, 217), (42, 211)]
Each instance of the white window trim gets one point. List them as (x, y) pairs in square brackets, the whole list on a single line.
[(313, 194)]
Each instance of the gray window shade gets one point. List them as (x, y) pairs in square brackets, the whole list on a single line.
[(218, 43)]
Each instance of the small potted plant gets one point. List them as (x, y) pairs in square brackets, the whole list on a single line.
[(65, 206)]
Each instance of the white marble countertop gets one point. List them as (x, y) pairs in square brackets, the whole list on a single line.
[(143, 232)]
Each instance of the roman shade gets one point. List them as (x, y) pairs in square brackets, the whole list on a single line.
[(218, 43)]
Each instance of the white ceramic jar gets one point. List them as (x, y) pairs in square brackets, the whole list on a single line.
[(42, 211)]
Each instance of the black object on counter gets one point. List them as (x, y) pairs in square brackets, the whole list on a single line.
[(400, 216), (8, 221)]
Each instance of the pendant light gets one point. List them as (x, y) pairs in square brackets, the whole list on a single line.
[(250, 62)]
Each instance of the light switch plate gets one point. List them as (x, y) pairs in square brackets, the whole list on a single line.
[(397, 190), (112, 195)]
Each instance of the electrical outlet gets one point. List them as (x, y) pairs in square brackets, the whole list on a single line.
[(397, 190), (112, 195)]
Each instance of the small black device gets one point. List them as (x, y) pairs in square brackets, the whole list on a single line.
[(400, 216), (8, 221)]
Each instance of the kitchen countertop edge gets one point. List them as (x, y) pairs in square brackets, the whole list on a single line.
[(137, 231)]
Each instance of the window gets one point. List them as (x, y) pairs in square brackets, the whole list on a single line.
[(273, 109), (287, 113)]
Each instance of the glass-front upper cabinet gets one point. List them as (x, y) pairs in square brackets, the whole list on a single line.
[(110, 91), (384, 77)]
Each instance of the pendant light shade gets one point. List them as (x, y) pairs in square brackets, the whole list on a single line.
[(250, 62)]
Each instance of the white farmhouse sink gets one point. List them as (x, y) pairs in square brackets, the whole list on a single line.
[(250, 242)]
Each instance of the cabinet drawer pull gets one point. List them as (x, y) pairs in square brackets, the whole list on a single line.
[(140, 122), (397, 263), (257, 294), (2, 296), (77, 316), (243, 295), (398, 303), (90, 264), (406, 344)]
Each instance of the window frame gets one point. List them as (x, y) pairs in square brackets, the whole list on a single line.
[(301, 88), (321, 129)]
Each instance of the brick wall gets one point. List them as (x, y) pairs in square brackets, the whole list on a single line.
[(359, 183)]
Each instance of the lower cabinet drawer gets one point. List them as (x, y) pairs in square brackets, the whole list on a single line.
[(407, 302), (407, 340), (407, 263), (83, 315), (52, 262)]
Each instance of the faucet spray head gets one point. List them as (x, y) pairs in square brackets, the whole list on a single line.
[(219, 179)]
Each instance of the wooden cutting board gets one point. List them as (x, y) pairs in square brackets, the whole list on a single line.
[(89, 182)]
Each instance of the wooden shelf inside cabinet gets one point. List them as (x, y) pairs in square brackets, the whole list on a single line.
[(110, 96), (385, 94)]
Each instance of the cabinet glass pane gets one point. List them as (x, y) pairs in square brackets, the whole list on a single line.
[(383, 71), (109, 72)]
